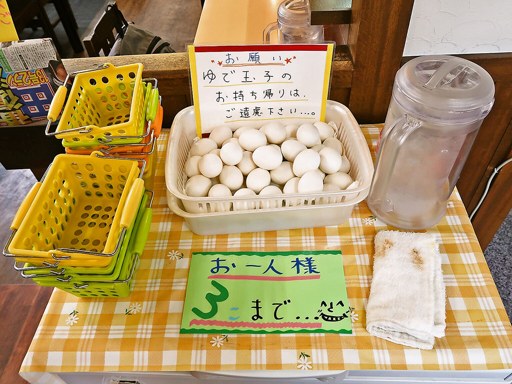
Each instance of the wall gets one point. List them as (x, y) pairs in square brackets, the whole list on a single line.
[(459, 27)]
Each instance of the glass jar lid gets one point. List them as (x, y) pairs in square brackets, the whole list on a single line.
[(444, 87)]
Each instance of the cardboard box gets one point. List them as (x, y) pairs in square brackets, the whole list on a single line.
[(30, 73)]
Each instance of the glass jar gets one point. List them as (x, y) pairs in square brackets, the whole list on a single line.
[(293, 24), (437, 107)]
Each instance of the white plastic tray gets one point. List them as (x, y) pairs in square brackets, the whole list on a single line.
[(254, 214)]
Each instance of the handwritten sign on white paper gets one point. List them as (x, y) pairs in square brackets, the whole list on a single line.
[(257, 83)]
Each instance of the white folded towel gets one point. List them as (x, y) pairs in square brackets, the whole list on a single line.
[(407, 296)]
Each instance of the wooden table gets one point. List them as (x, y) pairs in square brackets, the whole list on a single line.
[(137, 338)]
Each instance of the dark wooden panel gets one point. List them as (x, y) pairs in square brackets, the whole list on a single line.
[(325, 12), (494, 139), (341, 95), (498, 201), (490, 147), (341, 76), (377, 38), (499, 65), (28, 147)]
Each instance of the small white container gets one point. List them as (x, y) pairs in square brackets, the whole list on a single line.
[(210, 215)]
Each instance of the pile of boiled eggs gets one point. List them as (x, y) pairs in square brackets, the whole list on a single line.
[(274, 159)]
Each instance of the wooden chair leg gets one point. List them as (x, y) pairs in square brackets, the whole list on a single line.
[(48, 29), (68, 20)]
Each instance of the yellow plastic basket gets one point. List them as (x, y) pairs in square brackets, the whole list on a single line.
[(78, 215), (85, 282), (103, 106)]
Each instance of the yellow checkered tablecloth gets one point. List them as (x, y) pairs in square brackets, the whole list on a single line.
[(141, 332)]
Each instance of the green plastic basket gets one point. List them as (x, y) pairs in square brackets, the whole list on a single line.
[(113, 271), (121, 287), (79, 214)]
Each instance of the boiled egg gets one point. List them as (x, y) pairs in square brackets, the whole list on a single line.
[(216, 191), (283, 173), (267, 157), (330, 160), (246, 165), (308, 135), (242, 205), (257, 179), (310, 182), (192, 166), (210, 165), (291, 130), (341, 179), (291, 186), (291, 148), (324, 130), (274, 131), (252, 138), (220, 134), (231, 177), (345, 164), (307, 160), (270, 190), (198, 186), (202, 146), (333, 142), (231, 153)]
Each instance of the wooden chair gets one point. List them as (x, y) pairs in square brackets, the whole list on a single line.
[(106, 31), (32, 14), (67, 18)]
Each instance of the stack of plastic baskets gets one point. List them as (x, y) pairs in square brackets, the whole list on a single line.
[(83, 227), (112, 110)]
